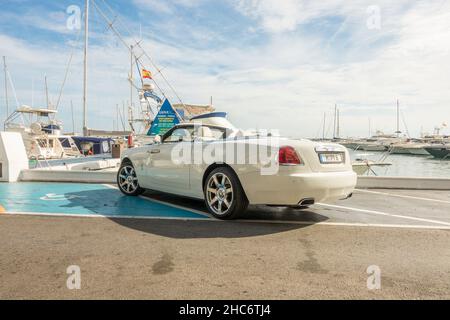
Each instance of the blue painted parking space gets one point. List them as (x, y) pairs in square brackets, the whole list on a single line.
[(82, 199)]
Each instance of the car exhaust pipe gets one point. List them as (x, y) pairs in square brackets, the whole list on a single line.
[(306, 202)]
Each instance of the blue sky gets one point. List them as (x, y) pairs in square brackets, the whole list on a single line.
[(269, 64)]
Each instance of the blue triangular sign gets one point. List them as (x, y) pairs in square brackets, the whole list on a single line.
[(164, 120)]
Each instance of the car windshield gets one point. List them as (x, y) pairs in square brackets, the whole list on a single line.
[(180, 134), (209, 133)]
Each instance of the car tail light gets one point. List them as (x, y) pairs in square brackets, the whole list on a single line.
[(288, 156)]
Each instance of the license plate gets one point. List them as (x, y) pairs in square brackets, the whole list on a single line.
[(331, 158)]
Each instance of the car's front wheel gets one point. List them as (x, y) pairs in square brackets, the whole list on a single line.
[(127, 180), (224, 196)]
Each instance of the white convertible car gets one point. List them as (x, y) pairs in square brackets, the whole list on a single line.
[(208, 158)]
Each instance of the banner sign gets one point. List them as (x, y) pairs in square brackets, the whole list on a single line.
[(164, 120)]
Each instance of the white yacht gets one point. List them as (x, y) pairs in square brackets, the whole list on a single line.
[(41, 133)]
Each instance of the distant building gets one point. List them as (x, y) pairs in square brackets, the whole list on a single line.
[(188, 111)]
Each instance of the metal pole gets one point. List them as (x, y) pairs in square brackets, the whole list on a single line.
[(323, 127), (6, 86), (32, 93), (73, 121), (398, 119), (86, 35), (337, 124), (131, 75), (334, 121), (46, 92), (123, 111)]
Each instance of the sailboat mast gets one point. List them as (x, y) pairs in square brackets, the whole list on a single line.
[(337, 124), (6, 86), (334, 121), (323, 127), (73, 121), (398, 119), (131, 76), (86, 35)]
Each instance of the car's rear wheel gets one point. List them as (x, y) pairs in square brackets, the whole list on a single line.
[(224, 196), (127, 180)]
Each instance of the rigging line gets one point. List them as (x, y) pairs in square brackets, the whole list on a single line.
[(142, 84), (162, 92), (13, 88), (404, 123), (119, 36), (137, 43), (67, 70)]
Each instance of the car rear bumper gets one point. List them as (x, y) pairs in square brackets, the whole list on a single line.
[(293, 188)]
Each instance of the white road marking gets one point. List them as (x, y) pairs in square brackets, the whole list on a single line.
[(307, 223), (349, 224), (94, 215), (167, 203), (177, 206), (110, 186), (384, 214), (403, 196)]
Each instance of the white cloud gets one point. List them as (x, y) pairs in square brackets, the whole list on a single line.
[(165, 6), (158, 5)]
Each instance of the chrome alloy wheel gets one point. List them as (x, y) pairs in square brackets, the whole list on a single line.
[(219, 193), (128, 181)]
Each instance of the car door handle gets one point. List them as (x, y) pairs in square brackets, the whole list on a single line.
[(154, 151)]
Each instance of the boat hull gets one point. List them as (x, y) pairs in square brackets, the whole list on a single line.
[(439, 152)]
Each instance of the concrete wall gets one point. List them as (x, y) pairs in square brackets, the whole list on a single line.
[(81, 176), (13, 156)]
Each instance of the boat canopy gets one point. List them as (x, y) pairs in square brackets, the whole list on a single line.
[(38, 111), (214, 119)]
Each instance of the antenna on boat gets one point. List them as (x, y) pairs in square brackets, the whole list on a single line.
[(86, 34), (6, 86)]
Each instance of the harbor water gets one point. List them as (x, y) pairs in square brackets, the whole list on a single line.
[(406, 165)]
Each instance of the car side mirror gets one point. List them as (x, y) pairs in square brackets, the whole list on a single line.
[(157, 139)]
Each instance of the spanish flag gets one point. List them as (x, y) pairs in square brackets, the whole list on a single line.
[(146, 74)]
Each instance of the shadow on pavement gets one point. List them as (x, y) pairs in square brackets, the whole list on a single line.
[(192, 229), (223, 229), (111, 202)]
